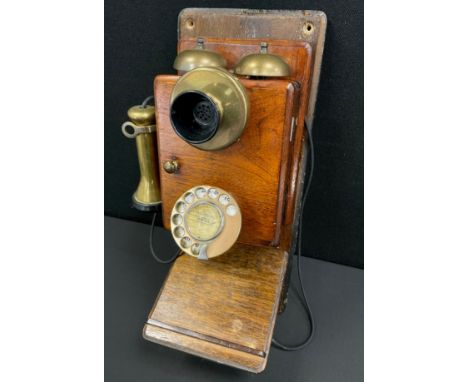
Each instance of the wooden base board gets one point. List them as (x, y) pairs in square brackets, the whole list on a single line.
[(223, 309)]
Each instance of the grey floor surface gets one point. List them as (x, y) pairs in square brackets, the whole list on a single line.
[(133, 278)]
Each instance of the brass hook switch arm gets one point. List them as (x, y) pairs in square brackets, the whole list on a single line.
[(136, 129)]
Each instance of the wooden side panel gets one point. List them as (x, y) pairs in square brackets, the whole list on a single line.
[(253, 169), (229, 301)]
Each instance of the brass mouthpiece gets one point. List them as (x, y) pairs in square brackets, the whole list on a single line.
[(209, 108), (141, 126)]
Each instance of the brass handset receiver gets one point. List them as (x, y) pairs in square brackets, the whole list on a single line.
[(141, 127)]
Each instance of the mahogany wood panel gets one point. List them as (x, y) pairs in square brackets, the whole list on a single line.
[(230, 301), (299, 56), (254, 169)]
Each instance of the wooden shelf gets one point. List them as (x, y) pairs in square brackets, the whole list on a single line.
[(223, 309)]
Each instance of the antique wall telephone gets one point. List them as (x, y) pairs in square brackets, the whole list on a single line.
[(222, 156)]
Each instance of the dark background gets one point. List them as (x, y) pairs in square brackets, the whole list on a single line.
[(140, 42)]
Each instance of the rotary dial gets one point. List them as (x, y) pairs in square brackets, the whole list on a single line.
[(205, 221)]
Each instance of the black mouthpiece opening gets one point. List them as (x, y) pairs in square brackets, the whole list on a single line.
[(194, 117)]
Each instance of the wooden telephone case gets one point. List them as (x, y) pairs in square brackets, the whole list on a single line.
[(224, 309)]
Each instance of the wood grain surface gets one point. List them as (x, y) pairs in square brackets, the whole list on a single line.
[(230, 301), (254, 169)]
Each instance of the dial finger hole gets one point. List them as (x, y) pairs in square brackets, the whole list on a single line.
[(224, 199), (213, 193), (196, 248), (177, 219), (200, 192), (185, 242), (231, 210), (180, 207), (189, 197), (179, 232)]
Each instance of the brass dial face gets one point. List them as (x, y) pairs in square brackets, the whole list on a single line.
[(206, 221)]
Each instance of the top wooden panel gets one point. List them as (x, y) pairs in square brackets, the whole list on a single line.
[(299, 25)]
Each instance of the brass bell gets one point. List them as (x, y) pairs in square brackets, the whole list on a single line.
[(198, 57), (141, 127), (263, 64)]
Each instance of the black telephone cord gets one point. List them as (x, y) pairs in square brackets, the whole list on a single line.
[(153, 253), (156, 257), (310, 316)]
